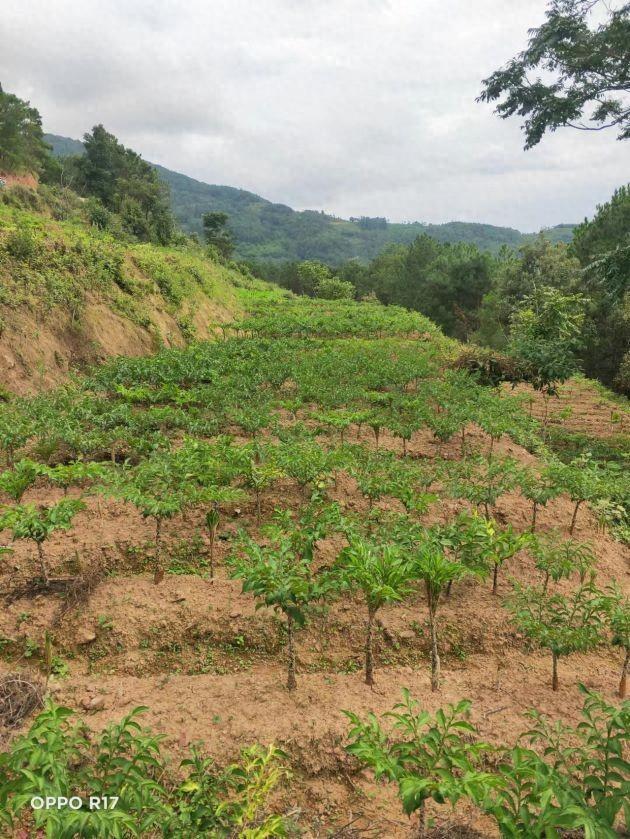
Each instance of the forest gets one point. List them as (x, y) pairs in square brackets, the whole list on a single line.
[(304, 548)]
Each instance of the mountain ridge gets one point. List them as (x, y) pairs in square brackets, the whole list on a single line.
[(268, 231)]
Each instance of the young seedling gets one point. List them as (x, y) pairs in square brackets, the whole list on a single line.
[(160, 491), (26, 521), (431, 566), (620, 627), (279, 577), (539, 489), (483, 482), (14, 482), (563, 625), (582, 480), (258, 477), (213, 519), (382, 576), (559, 558), (67, 474), (503, 544)]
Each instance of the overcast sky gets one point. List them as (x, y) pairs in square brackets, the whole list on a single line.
[(356, 107)]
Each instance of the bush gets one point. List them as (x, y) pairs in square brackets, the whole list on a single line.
[(332, 288), (21, 245)]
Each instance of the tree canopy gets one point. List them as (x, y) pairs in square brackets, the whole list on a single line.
[(586, 78), (22, 146), (125, 184)]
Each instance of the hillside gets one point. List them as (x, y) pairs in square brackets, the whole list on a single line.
[(267, 231), (313, 426), (71, 295), (261, 511)]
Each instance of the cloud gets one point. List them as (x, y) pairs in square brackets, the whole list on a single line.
[(352, 106)]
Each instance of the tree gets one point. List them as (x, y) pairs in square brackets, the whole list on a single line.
[(281, 577), (125, 184), (26, 521), (22, 146), (545, 338), (217, 232), (587, 70), (333, 288), (516, 276), (309, 275), (603, 248), (431, 566), (381, 574), (428, 757), (563, 625)]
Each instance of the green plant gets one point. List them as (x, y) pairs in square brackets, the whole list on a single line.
[(14, 482), (66, 474), (483, 482), (540, 489), (123, 768), (260, 476), (26, 521), (429, 564), (559, 558), (381, 574), (619, 618), (588, 771), (503, 544), (161, 489), (428, 757), (582, 479), (546, 334), (281, 577), (554, 779), (213, 519), (562, 625)]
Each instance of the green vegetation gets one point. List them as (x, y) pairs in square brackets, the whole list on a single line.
[(22, 146), (58, 757), (579, 782), (480, 297), (585, 63), (325, 428)]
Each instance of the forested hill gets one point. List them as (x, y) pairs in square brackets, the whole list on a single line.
[(267, 231)]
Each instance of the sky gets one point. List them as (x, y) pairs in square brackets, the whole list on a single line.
[(355, 107)]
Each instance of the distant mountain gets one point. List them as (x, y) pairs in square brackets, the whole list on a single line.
[(267, 231)]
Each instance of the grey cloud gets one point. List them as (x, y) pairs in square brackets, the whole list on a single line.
[(353, 106)]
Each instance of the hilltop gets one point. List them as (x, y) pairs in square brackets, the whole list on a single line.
[(265, 231)]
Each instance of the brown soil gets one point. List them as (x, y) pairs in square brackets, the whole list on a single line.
[(210, 667), (579, 407), (26, 179), (39, 351)]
